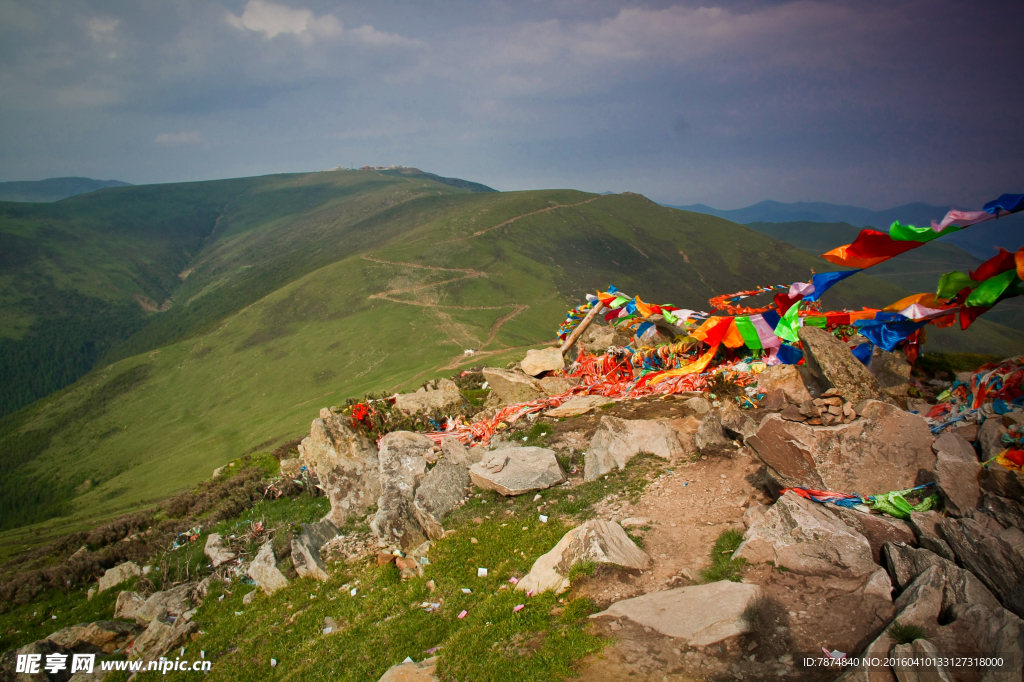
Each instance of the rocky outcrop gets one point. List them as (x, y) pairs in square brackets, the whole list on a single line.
[(579, 405), (454, 451), (557, 385), (700, 615), (962, 587), (602, 542), (514, 471), (926, 529), (994, 554), (412, 671), (710, 434), (265, 572), (442, 394), (892, 371), (216, 550), (956, 473), (806, 538), (617, 441), (306, 549), (877, 528), (830, 360), (118, 574), (508, 386), (599, 338), (345, 462), (737, 423), (537, 362), (441, 491), (160, 637), (174, 602), (1004, 510), (785, 378), (403, 465), (102, 636), (127, 605), (990, 437), (883, 451)]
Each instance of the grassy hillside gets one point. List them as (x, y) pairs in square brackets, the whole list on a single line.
[(406, 289), (916, 271)]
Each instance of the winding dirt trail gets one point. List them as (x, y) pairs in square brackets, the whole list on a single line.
[(547, 209)]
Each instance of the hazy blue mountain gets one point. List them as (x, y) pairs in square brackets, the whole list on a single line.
[(52, 189), (980, 241)]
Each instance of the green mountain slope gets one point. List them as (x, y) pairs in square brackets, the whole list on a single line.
[(916, 271), (366, 298), (52, 189)]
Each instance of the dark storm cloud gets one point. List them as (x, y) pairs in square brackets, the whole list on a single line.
[(726, 103)]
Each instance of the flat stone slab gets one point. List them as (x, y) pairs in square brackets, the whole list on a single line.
[(540, 361), (617, 441), (118, 574), (579, 405), (700, 615), (515, 471)]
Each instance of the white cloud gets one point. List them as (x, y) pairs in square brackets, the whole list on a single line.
[(273, 19), (189, 137), (101, 29)]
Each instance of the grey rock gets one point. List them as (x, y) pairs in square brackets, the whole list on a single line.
[(118, 574), (602, 542), (1008, 483), (510, 387), (877, 528), (830, 359), (402, 467), (515, 471), (892, 371), (599, 338), (127, 605), (956, 473), (807, 539), (306, 548), (537, 362), (696, 406), (292, 467), (174, 602), (737, 423), (997, 557), (160, 637), (442, 394), (700, 615), (919, 661), (265, 572), (990, 437), (216, 550), (579, 405), (345, 463), (441, 491), (711, 434), (1004, 510), (961, 586), (786, 378), (557, 385), (617, 441), (926, 529), (992, 632)]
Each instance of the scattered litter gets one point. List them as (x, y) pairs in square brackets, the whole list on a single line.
[(834, 654), (481, 573), (518, 607), (466, 590), (514, 580), (536, 497), (352, 591), (543, 518), (273, 663), (408, 660), (462, 615)]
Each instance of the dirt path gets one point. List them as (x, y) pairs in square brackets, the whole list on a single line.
[(524, 215)]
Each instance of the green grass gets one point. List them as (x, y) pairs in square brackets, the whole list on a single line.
[(905, 633), (954, 362), (723, 566)]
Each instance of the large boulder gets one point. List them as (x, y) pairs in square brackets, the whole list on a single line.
[(103, 635), (737, 423), (306, 549), (264, 570), (700, 615), (806, 538), (602, 542), (537, 362), (892, 371), (403, 465), (617, 441), (961, 587), (1008, 483), (990, 437), (453, 450), (786, 378), (174, 602), (579, 405), (877, 528), (510, 387), (926, 529), (216, 551), (118, 574), (442, 394), (128, 605), (557, 385), (1004, 510), (882, 451), (710, 433), (345, 462), (994, 554), (834, 364), (599, 338), (515, 471), (956, 473), (441, 491), (160, 637)]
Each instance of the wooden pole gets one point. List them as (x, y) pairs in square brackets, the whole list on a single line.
[(582, 327)]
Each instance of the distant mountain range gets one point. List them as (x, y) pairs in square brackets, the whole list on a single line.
[(980, 240), (52, 189)]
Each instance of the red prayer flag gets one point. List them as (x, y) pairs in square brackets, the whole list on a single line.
[(995, 265), (871, 247)]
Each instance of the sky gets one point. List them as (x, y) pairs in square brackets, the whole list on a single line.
[(874, 103)]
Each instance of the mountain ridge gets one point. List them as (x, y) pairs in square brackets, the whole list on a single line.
[(53, 189)]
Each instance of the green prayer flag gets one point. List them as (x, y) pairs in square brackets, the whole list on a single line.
[(669, 317), (816, 321), (909, 233), (746, 329), (989, 291), (952, 283), (790, 322)]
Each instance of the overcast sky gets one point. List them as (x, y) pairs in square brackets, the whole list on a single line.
[(722, 102)]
